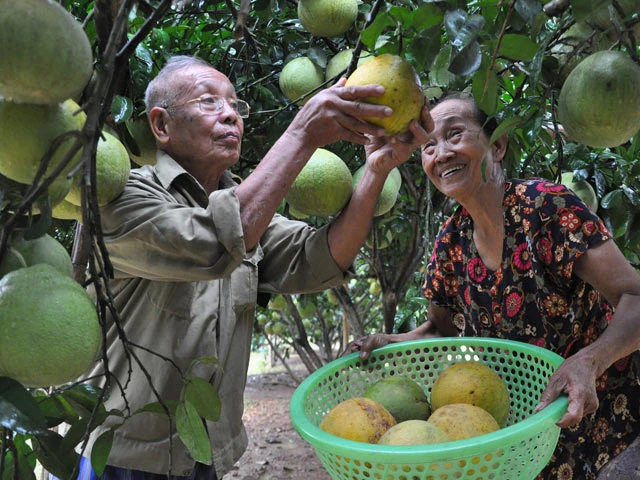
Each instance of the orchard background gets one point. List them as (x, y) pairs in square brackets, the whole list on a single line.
[(512, 54)]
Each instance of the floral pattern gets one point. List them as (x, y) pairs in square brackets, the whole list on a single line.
[(534, 297)]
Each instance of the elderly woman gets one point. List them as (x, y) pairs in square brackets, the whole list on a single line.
[(527, 260)]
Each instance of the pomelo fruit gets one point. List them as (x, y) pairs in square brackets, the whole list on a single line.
[(112, 171), (323, 187), (327, 18), (460, 421), (11, 260), (401, 396), (359, 419), (384, 238), (596, 13), (46, 56), (599, 103), (26, 134), (339, 63), (277, 302), (389, 193), (145, 153), (582, 189), (49, 328), (45, 249), (299, 77), (67, 211), (474, 383), (403, 92), (414, 432)]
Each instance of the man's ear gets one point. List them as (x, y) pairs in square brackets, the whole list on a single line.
[(158, 121), (499, 147)]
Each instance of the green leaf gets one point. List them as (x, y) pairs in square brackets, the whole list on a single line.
[(55, 409), (528, 9), (485, 90), (427, 15), (121, 108), (518, 47), (26, 461), (467, 61), (426, 45), (369, 35), (157, 408), (192, 433), (100, 451), (54, 458), (83, 398), (204, 397), (18, 409), (506, 126)]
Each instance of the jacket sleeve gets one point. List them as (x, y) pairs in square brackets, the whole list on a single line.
[(297, 258)]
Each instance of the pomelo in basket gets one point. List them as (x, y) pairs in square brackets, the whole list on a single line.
[(414, 432), (46, 56), (403, 92), (460, 421), (599, 103), (327, 18), (401, 396), (359, 419), (474, 383), (49, 328)]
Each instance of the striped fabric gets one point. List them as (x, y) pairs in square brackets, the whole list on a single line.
[(200, 472)]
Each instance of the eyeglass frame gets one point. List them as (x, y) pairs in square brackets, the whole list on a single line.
[(219, 100)]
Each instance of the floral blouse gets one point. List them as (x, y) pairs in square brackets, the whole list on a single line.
[(534, 297)]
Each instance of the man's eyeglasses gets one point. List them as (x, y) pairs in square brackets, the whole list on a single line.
[(215, 104)]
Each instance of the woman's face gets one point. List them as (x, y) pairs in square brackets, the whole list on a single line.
[(452, 157)]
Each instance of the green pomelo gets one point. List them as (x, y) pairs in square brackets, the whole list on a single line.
[(389, 193), (472, 383), (46, 56), (403, 92), (323, 187), (597, 13), (582, 189), (599, 103), (26, 134), (11, 260), (338, 64), (413, 432), (49, 328), (45, 249), (112, 171), (277, 303), (67, 211), (403, 397), (145, 153), (327, 18), (299, 77)]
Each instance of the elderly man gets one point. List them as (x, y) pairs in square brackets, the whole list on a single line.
[(192, 248)]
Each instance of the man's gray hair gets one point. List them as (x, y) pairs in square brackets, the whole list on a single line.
[(169, 87)]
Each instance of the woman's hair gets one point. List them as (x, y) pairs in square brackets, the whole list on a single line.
[(169, 86), (489, 124)]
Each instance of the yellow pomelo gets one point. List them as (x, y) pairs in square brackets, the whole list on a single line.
[(327, 18), (401, 396), (45, 249), (338, 64), (389, 193), (112, 171), (49, 329), (403, 92), (11, 260), (599, 103), (473, 383), (67, 211), (46, 56), (460, 421), (582, 189), (323, 187), (299, 77), (145, 153), (358, 419), (26, 134), (414, 432)]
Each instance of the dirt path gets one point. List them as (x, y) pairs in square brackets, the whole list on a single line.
[(276, 451)]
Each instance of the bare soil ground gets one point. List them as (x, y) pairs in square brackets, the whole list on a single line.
[(276, 451)]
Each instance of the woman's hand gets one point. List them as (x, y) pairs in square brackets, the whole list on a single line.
[(576, 377)]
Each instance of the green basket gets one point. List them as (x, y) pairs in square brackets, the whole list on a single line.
[(520, 450)]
